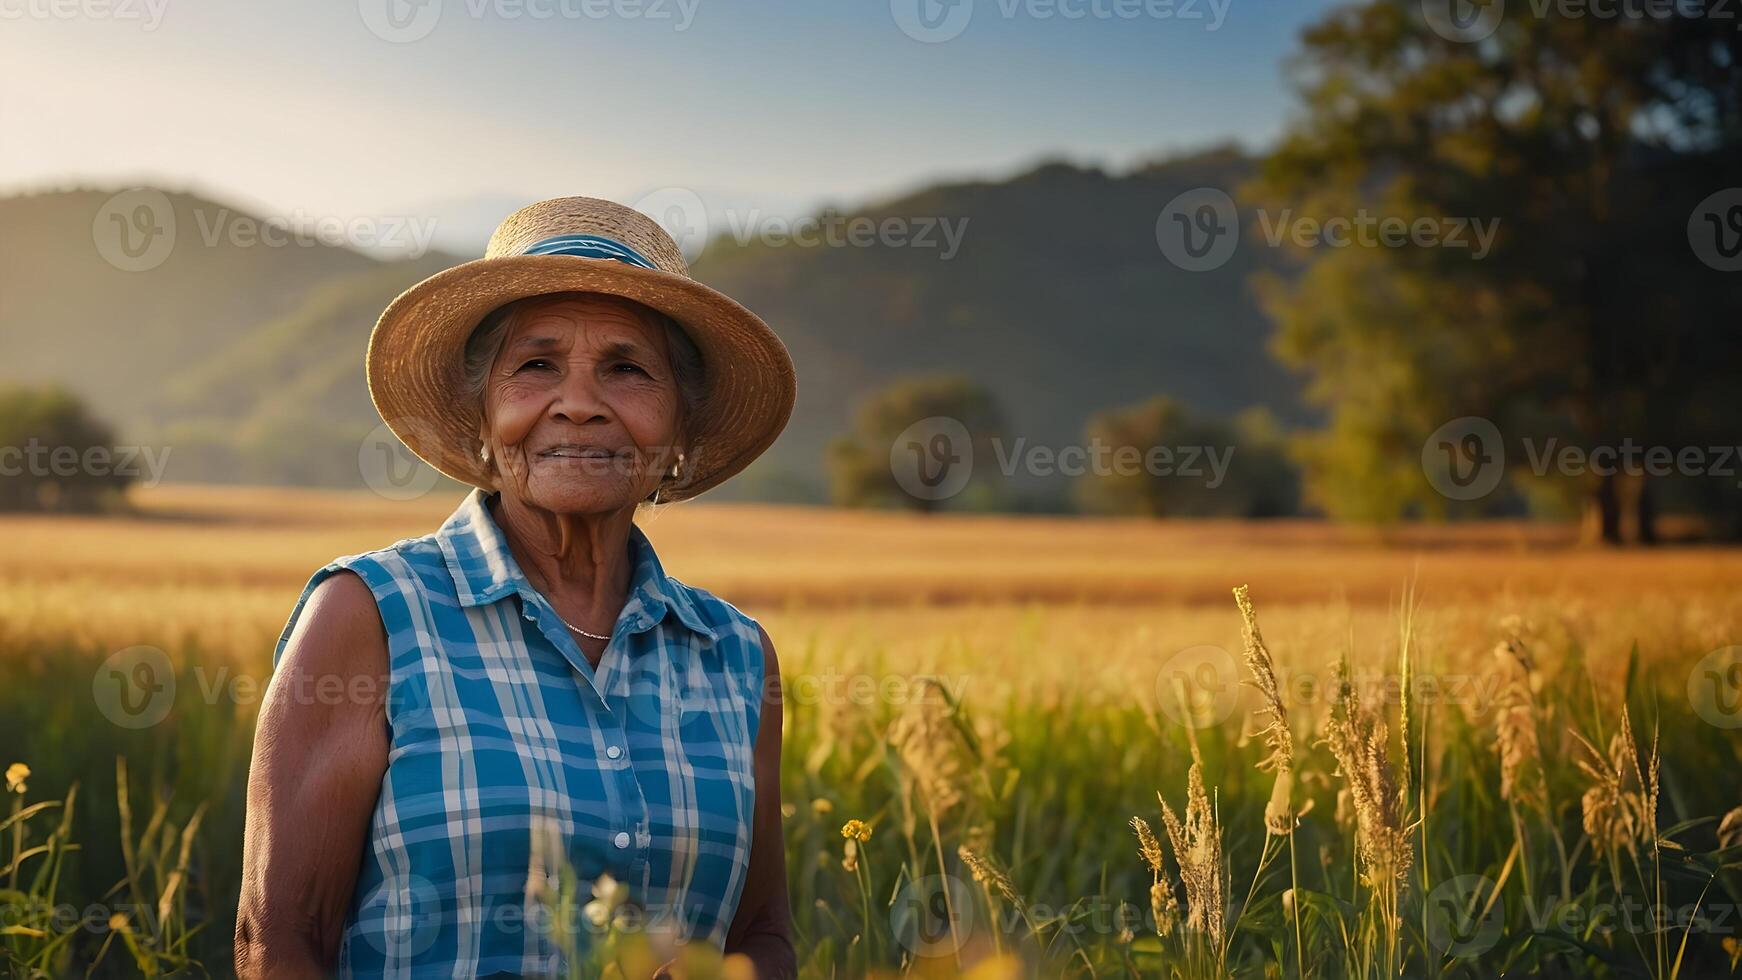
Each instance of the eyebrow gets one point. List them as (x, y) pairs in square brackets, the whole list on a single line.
[(533, 343), (617, 348)]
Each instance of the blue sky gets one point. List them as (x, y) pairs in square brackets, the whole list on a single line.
[(331, 108)]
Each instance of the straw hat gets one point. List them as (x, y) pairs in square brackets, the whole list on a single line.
[(416, 352)]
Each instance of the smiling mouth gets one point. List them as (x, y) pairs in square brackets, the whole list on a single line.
[(579, 452)]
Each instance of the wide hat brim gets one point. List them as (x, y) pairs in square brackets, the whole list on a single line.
[(415, 364)]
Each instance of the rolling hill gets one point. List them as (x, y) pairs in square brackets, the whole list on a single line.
[(247, 360)]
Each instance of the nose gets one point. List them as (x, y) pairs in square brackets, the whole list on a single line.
[(579, 399)]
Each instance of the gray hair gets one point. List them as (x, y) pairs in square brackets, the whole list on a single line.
[(486, 340)]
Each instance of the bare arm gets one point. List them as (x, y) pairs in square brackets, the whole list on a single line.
[(320, 749), (762, 928)]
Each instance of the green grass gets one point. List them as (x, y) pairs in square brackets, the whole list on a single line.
[(1042, 787)]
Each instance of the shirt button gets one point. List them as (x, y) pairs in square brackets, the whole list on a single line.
[(613, 752), (622, 840)]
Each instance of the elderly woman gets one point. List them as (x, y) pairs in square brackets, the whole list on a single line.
[(456, 717)]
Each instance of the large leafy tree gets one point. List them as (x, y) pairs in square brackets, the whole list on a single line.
[(1593, 142)]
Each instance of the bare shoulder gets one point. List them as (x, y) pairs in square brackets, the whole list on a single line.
[(338, 634), (770, 660)]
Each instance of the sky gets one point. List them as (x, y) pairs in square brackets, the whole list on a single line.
[(381, 107)]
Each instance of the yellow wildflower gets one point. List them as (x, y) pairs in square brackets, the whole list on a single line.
[(16, 774)]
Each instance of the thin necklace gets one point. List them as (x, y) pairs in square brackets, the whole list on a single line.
[(577, 629)]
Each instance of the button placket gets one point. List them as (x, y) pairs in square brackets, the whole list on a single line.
[(634, 841)]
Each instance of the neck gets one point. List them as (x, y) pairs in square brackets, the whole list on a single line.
[(579, 561)]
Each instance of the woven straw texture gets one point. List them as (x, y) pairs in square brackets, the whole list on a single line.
[(416, 352)]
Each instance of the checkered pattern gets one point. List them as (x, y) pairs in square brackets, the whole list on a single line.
[(502, 732)]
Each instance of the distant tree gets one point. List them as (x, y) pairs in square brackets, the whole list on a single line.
[(1161, 460), (1593, 141), (912, 442), (54, 455)]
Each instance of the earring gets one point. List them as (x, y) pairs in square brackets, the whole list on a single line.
[(484, 454), (674, 466)]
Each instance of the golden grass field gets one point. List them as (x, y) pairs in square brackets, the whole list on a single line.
[(225, 564), (1058, 633)]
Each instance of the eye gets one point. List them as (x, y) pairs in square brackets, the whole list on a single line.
[(626, 366), (537, 362)]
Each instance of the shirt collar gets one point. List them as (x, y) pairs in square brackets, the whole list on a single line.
[(484, 570)]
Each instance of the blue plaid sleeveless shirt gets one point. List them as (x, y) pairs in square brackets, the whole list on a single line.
[(502, 731)]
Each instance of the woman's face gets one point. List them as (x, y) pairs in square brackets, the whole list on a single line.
[(581, 405)]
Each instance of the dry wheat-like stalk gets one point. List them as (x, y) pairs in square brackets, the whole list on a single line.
[(1357, 739), (1620, 806), (931, 753), (1197, 849), (1162, 902), (1263, 669), (1279, 816), (1147, 845), (1515, 723), (1730, 829), (987, 873)]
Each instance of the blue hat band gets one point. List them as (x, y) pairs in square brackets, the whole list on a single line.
[(589, 247)]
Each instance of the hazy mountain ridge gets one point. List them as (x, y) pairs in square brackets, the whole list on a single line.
[(1058, 298)]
